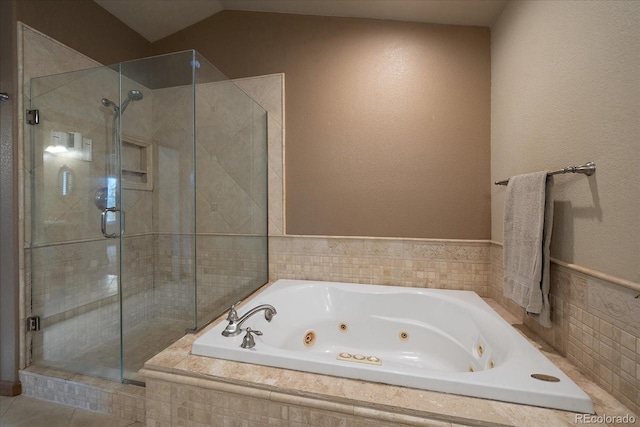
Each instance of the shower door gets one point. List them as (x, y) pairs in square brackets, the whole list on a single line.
[(110, 243), (144, 217), (73, 238)]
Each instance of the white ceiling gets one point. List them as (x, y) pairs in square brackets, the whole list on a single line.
[(155, 19)]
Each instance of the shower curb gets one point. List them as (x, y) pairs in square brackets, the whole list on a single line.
[(84, 392)]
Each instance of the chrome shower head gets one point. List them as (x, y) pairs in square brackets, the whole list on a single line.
[(108, 103), (133, 95)]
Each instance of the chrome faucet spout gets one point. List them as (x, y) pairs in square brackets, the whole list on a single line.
[(235, 324)]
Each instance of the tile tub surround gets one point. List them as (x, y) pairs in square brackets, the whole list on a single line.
[(595, 321), (183, 389), (596, 325), (422, 263)]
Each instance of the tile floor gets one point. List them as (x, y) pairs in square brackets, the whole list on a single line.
[(23, 411)]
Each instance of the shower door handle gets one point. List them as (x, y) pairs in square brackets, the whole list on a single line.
[(103, 223)]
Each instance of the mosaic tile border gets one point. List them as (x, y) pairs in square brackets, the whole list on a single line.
[(424, 263)]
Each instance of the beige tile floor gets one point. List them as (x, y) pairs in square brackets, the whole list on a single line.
[(23, 411)]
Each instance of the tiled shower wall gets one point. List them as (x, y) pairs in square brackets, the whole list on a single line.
[(226, 267), (596, 325), (268, 91), (230, 160), (230, 193)]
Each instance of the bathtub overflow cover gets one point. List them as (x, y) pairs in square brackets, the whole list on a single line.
[(544, 377)]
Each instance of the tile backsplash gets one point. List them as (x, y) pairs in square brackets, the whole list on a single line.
[(450, 264)]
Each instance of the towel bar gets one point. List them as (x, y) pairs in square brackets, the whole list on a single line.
[(586, 169)]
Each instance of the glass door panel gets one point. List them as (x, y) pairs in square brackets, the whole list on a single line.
[(158, 244), (231, 197), (75, 269)]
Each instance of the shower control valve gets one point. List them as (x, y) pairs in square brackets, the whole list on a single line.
[(248, 341)]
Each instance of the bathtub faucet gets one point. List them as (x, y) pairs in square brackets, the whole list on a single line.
[(235, 323)]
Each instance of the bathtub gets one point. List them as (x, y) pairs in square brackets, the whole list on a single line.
[(440, 340)]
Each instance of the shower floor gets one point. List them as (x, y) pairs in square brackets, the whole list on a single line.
[(141, 342)]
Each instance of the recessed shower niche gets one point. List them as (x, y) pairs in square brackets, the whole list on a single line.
[(124, 254), (137, 164)]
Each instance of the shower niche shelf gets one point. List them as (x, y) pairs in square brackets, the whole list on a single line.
[(137, 164)]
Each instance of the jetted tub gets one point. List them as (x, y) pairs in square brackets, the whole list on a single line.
[(431, 339)]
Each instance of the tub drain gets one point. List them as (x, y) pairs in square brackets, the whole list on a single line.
[(404, 335), (343, 327), (309, 338)]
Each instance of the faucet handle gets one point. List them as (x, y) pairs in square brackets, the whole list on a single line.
[(248, 341), (233, 314)]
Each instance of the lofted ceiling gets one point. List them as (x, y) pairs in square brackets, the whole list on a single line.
[(155, 19)]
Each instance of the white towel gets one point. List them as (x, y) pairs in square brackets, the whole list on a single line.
[(528, 220)]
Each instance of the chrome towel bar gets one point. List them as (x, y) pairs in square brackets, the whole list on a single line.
[(586, 169)]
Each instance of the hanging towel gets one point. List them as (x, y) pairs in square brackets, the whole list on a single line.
[(528, 220)]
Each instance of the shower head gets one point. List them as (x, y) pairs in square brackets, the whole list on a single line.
[(108, 103), (133, 95)]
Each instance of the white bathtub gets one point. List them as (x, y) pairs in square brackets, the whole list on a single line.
[(431, 339)]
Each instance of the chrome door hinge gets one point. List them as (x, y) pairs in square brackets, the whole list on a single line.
[(4, 96), (33, 117), (33, 324)]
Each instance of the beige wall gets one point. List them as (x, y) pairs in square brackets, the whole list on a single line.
[(85, 27), (565, 90), (387, 122)]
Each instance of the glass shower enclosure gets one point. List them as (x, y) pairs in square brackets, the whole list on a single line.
[(146, 209)]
